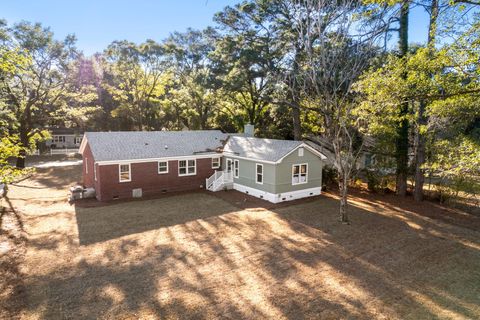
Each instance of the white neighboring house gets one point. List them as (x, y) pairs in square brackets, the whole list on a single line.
[(64, 138)]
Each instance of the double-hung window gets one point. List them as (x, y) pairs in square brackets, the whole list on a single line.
[(162, 167), (236, 169), (259, 173), (215, 163), (187, 167), (124, 172), (299, 173)]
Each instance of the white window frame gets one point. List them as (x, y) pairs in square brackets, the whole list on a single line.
[(158, 167), (301, 150), (236, 168), (95, 171), (218, 162), (186, 168), (129, 172), (299, 165), (256, 173), (86, 165), (77, 140)]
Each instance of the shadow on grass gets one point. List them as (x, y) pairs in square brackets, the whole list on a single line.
[(205, 259), (97, 224)]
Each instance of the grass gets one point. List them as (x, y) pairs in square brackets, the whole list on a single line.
[(226, 255)]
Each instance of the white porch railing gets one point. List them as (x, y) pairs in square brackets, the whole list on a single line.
[(218, 180)]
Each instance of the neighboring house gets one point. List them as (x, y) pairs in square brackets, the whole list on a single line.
[(136, 164), (64, 138)]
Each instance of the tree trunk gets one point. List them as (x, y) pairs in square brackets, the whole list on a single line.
[(24, 143), (403, 127), (297, 127), (422, 119), (419, 155), (294, 92), (343, 188)]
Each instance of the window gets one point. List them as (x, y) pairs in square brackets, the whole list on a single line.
[(187, 167), (215, 163), (95, 171), (299, 173), (235, 168), (162, 167), (259, 172), (86, 165), (300, 152), (78, 140), (58, 138), (124, 172)]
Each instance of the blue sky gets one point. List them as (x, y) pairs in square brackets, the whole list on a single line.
[(97, 23)]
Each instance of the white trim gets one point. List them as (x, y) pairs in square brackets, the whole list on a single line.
[(86, 165), (236, 168), (298, 194), (268, 196), (83, 144), (303, 145), (120, 172), (219, 159), (299, 173), (256, 173), (109, 162), (94, 171), (279, 197), (158, 167), (232, 155), (186, 168)]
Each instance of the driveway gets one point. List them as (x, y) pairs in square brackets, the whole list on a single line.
[(196, 255)]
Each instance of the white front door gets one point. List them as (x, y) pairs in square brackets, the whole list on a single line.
[(229, 165)]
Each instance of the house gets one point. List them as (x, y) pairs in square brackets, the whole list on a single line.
[(64, 138), (135, 164)]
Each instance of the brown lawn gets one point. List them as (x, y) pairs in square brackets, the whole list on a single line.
[(204, 256)]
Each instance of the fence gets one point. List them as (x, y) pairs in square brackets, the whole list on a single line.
[(63, 151)]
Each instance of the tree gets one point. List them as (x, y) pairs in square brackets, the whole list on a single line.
[(34, 90), (336, 55), (195, 90), (244, 59), (138, 82)]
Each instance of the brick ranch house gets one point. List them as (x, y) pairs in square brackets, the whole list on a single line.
[(135, 164)]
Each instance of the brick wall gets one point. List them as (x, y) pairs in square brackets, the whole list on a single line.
[(87, 178), (145, 176)]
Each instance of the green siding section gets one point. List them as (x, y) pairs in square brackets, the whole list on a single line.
[(277, 178), (284, 171), (247, 174)]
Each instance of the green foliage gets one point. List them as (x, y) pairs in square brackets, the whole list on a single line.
[(9, 148)]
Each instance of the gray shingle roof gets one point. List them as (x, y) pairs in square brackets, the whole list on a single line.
[(132, 145), (260, 149)]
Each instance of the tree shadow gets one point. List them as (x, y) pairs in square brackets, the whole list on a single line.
[(97, 224), (197, 257), (12, 249)]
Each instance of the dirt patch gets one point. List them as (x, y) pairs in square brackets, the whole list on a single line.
[(206, 256)]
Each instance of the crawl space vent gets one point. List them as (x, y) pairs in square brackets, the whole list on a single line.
[(137, 193)]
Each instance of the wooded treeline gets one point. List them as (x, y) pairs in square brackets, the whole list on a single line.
[(342, 72)]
